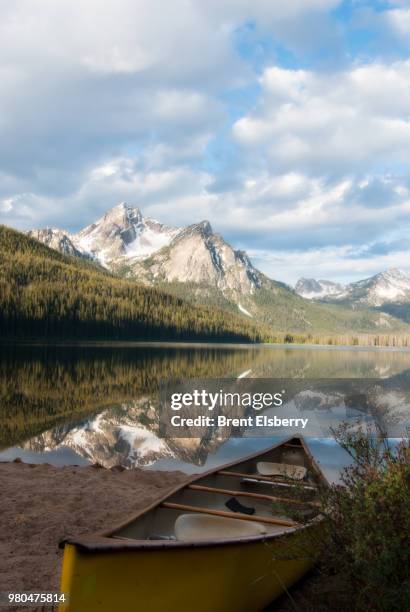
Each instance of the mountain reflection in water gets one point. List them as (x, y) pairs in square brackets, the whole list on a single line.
[(99, 403)]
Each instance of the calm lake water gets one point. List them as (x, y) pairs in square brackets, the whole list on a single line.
[(97, 403)]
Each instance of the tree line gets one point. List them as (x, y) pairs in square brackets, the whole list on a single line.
[(44, 294)]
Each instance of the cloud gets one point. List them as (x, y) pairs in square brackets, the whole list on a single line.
[(292, 225), (339, 123), (301, 155), (399, 19), (301, 26), (341, 264), (378, 192), (176, 195), (80, 82), (286, 212)]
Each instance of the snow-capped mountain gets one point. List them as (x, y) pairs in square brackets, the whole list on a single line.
[(153, 252), (391, 286), (197, 264), (197, 255), (122, 234), (311, 288)]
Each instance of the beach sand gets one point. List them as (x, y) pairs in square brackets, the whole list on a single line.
[(41, 505)]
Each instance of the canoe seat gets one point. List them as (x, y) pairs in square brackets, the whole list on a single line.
[(207, 527), (266, 468)]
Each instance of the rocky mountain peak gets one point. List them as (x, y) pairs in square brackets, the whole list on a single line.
[(205, 227), (56, 239), (122, 233), (198, 256), (386, 287), (122, 238), (123, 215), (202, 229), (307, 285), (396, 274), (121, 221), (310, 288)]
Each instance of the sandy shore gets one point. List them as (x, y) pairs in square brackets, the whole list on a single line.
[(40, 505)]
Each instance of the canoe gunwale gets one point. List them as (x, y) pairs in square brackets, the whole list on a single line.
[(103, 542), (95, 544)]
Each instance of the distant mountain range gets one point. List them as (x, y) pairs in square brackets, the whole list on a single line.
[(44, 293), (198, 265), (387, 291)]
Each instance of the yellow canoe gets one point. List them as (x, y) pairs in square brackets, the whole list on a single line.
[(213, 544)]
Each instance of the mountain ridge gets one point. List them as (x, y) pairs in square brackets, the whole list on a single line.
[(389, 286), (198, 265), (46, 293)]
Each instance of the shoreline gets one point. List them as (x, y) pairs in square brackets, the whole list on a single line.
[(41, 505), (200, 344)]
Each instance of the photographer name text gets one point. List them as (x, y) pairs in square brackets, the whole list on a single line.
[(259, 420)]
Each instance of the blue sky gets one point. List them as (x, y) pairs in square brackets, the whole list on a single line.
[(286, 125)]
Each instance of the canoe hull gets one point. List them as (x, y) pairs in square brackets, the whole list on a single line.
[(240, 577)]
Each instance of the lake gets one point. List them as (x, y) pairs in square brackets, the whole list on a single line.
[(98, 402)]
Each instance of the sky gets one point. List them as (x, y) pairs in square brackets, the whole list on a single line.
[(285, 124)]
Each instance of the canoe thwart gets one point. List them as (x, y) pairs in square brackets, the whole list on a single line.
[(262, 496), (202, 510)]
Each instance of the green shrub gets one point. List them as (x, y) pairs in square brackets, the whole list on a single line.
[(368, 517)]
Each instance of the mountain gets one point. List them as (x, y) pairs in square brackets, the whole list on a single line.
[(197, 255), (311, 289), (47, 294), (387, 292), (196, 264), (124, 241), (56, 239), (391, 286), (123, 233)]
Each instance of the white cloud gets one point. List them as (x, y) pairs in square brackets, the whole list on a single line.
[(398, 20), (337, 123), (291, 224), (80, 81), (177, 195), (102, 102), (339, 264), (286, 209)]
